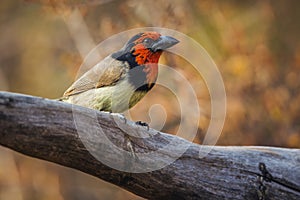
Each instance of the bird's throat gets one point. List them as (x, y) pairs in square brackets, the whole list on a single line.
[(144, 56), (151, 70), (149, 61)]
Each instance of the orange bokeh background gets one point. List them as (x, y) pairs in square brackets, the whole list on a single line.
[(255, 44)]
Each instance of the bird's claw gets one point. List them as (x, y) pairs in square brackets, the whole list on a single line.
[(142, 124), (124, 118)]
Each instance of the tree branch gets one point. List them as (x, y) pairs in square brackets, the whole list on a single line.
[(63, 133)]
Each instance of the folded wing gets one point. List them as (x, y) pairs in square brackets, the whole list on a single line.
[(106, 73)]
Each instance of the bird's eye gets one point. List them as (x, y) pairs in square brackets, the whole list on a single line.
[(147, 42)]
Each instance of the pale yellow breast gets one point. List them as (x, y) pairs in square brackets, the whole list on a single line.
[(117, 98)]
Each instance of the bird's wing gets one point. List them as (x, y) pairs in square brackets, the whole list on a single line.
[(106, 73)]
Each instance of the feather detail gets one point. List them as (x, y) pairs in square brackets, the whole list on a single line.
[(151, 70), (152, 35), (106, 73), (148, 60)]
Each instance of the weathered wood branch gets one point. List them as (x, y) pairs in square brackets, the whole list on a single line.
[(68, 135)]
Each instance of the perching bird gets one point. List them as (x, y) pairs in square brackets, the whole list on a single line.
[(123, 78)]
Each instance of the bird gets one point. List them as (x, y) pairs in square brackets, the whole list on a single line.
[(122, 79)]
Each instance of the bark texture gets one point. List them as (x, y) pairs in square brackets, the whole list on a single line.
[(125, 154)]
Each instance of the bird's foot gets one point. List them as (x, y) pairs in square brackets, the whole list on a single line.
[(124, 118), (142, 124)]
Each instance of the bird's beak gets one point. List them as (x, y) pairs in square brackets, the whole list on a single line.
[(163, 43)]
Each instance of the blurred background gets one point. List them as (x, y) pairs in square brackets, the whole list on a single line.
[(255, 44)]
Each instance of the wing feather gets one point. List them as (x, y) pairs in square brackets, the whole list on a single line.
[(108, 72)]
